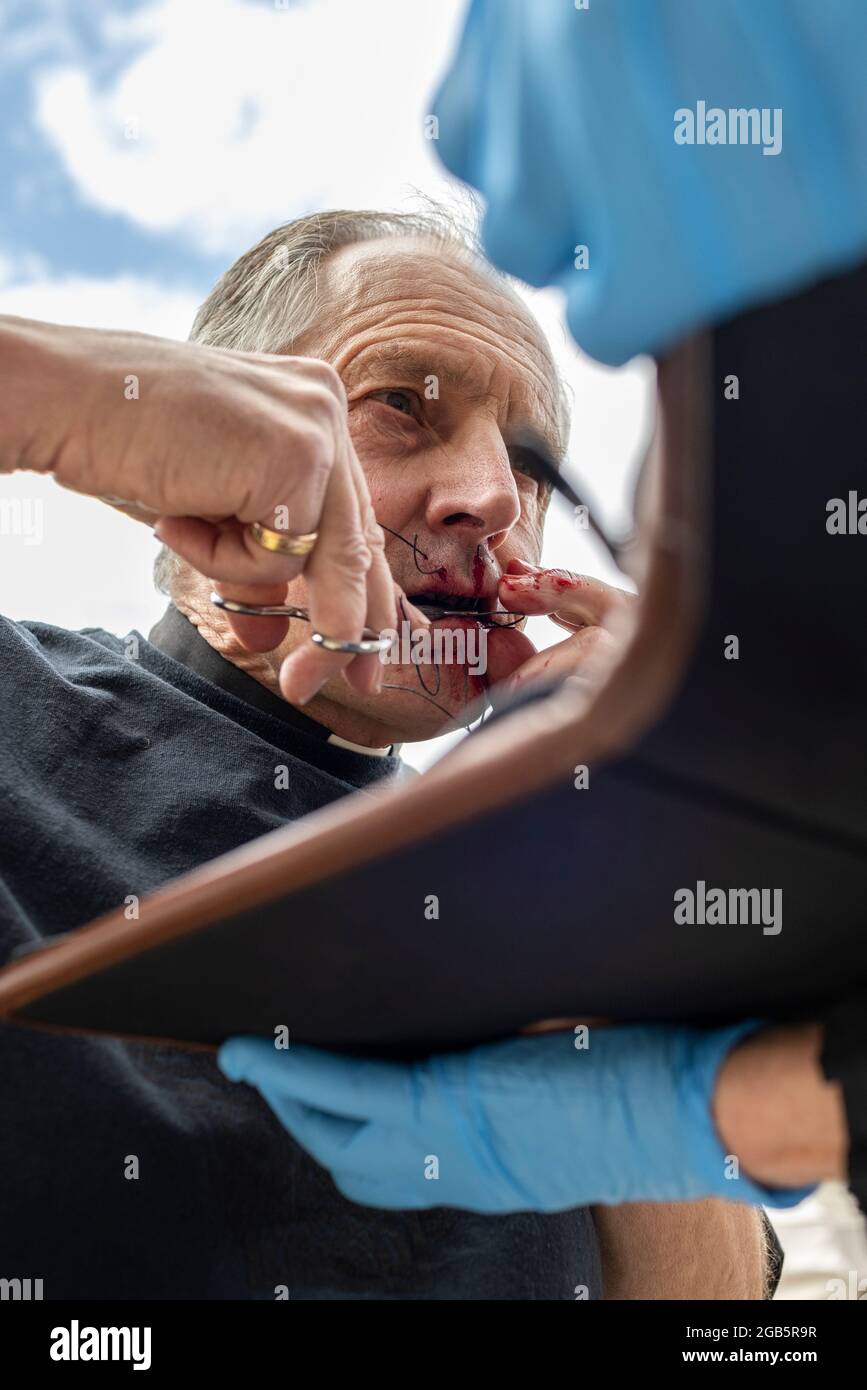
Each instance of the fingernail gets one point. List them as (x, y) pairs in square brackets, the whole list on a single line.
[(525, 566), (407, 610), (421, 619)]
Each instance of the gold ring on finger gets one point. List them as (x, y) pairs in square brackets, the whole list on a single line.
[(282, 542)]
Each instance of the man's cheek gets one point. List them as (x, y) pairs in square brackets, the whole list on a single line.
[(378, 442), (394, 502)]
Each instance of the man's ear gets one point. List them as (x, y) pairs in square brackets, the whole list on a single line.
[(167, 571)]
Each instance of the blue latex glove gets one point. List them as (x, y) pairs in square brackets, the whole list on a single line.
[(529, 1124), (564, 120)]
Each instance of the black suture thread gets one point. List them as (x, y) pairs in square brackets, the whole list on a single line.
[(414, 547)]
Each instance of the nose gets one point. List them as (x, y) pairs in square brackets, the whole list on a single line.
[(472, 493)]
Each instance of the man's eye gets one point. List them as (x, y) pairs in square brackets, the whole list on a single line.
[(404, 401)]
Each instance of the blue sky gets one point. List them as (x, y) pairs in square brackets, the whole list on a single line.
[(47, 222)]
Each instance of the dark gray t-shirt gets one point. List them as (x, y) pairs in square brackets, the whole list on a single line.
[(121, 767)]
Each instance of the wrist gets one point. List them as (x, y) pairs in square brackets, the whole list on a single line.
[(40, 392), (774, 1109), (718, 1168)]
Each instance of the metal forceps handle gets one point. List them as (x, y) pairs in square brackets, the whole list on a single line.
[(430, 610), (371, 642)]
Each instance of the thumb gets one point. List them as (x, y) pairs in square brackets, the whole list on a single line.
[(241, 1059)]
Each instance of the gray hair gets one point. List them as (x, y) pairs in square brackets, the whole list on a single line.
[(268, 298)]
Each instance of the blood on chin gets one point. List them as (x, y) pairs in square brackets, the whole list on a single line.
[(452, 688)]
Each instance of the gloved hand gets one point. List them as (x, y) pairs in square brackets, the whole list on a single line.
[(564, 119), (534, 1123)]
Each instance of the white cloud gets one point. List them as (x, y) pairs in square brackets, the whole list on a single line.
[(124, 301), (232, 117)]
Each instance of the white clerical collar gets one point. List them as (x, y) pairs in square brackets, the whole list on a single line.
[(392, 750)]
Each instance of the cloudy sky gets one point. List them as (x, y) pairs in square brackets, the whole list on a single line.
[(145, 143)]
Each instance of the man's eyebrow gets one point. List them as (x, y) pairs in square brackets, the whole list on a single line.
[(413, 365), (419, 367)]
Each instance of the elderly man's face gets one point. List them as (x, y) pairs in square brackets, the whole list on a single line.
[(442, 369)]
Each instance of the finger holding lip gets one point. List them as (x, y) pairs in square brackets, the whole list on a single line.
[(571, 600)]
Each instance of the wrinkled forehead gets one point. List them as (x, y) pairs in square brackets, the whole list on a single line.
[(438, 308)]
